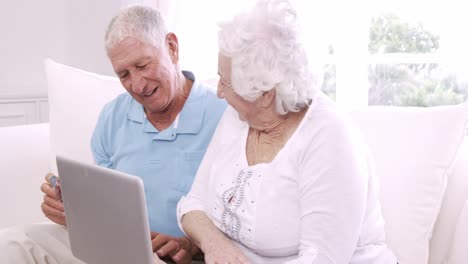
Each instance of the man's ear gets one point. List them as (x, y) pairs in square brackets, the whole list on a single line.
[(172, 45)]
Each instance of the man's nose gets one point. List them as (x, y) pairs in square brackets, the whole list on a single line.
[(138, 84)]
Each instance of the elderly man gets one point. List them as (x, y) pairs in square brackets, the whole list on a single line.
[(158, 131)]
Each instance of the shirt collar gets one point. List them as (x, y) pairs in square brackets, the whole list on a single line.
[(191, 116)]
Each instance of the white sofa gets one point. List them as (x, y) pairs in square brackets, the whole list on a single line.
[(421, 158), (24, 158)]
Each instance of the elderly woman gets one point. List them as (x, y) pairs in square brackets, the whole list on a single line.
[(285, 178)]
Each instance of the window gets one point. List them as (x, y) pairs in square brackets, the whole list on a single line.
[(415, 54), (378, 52)]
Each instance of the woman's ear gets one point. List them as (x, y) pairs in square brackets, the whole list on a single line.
[(173, 47), (268, 98)]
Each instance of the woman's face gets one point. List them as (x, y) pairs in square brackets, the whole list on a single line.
[(245, 109)]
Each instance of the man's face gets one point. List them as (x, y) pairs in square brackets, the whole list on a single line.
[(148, 73)]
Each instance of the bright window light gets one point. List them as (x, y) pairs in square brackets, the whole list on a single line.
[(377, 52)]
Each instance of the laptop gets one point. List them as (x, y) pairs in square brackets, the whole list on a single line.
[(106, 214)]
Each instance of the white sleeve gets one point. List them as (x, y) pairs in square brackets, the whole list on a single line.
[(196, 198), (334, 163)]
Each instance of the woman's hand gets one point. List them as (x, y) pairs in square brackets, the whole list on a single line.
[(224, 252), (214, 244)]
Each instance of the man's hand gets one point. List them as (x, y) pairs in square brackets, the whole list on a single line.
[(180, 249), (51, 206), (157, 260)]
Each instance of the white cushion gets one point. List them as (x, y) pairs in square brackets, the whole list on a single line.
[(459, 254), (76, 98), (455, 196), (414, 149), (24, 156)]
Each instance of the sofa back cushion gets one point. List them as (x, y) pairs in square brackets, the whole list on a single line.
[(459, 253), (454, 200), (414, 150), (76, 98)]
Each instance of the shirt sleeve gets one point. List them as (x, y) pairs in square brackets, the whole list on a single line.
[(99, 145), (196, 198), (334, 163)]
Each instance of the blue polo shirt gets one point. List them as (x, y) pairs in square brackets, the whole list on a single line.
[(167, 160)]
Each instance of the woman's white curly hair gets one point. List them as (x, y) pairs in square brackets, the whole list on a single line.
[(266, 52)]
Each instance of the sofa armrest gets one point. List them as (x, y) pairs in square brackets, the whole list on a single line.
[(24, 159)]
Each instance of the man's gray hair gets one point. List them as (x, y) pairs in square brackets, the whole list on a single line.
[(266, 52), (141, 22)]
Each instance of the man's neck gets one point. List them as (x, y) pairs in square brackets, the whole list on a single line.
[(163, 120)]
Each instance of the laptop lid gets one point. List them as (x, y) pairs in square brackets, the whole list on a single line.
[(106, 214)]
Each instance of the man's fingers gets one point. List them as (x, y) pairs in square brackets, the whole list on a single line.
[(52, 202), (160, 240), (50, 211), (157, 260), (48, 176), (58, 220), (185, 243), (53, 214), (169, 248), (153, 234), (180, 255), (47, 189)]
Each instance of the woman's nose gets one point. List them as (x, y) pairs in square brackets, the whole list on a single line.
[(220, 91)]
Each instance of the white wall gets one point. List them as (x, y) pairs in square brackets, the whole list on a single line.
[(85, 23), (70, 32), (28, 32)]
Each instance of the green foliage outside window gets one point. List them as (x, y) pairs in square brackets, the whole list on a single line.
[(419, 84)]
